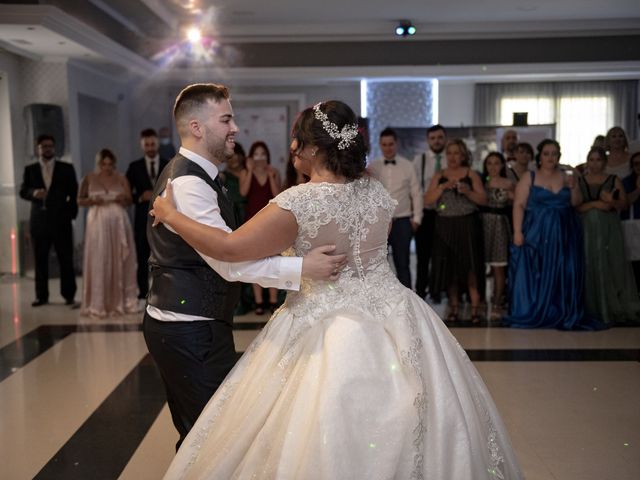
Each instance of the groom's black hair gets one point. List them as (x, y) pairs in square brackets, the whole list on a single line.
[(196, 96)]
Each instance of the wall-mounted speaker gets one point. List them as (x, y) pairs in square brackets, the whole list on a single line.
[(44, 118), (520, 119)]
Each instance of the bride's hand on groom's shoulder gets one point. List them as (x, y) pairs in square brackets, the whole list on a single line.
[(163, 205)]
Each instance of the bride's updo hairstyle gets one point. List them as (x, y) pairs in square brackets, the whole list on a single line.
[(333, 128)]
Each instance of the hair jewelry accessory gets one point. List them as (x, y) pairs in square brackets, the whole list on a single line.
[(346, 135)]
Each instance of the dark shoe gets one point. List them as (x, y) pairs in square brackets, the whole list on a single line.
[(39, 303), (475, 317), (453, 315), (69, 301)]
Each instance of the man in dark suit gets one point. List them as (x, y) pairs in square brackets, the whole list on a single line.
[(51, 187), (142, 175)]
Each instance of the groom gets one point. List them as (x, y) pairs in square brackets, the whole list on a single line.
[(189, 315)]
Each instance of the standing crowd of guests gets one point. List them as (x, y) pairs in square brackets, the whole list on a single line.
[(561, 245)]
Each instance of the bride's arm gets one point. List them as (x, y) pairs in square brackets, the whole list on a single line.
[(269, 232)]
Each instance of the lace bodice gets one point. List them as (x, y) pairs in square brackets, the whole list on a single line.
[(354, 216)]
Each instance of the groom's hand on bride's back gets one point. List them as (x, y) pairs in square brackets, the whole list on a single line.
[(321, 264)]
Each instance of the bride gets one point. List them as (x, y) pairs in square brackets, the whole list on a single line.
[(352, 379)]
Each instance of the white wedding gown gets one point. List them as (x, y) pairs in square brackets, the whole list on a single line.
[(353, 379)]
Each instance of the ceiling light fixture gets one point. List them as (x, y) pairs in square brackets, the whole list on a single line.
[(194, 35), (405, 28)]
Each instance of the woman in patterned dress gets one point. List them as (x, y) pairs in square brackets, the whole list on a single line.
[(496, 226)]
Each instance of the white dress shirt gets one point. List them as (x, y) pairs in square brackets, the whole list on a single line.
[(197, 200), (401, 182), (156, 166), (46, 168), (425, 176)]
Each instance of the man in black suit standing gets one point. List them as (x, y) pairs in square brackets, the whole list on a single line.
[(52, 188), (142, 175)]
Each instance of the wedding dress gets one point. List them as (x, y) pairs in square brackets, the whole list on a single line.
[(353, 379)]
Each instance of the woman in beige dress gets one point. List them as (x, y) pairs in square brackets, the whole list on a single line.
[(109, 267)]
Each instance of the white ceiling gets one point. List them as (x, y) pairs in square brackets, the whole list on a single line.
[(57, 29), (376, 18)]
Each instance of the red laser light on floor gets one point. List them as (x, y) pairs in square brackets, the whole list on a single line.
[(14, 253)]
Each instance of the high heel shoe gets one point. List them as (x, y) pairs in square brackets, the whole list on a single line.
[(475, 316)]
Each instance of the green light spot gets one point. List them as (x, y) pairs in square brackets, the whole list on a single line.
[(626, 444), (183, 301), (372, 445)]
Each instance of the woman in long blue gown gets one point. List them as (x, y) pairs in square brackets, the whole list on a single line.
[(546, 271)]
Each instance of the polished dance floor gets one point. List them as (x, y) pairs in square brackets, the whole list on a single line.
[(81, 399)]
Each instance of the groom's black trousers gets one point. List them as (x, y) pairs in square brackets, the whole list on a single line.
[(193, 359)]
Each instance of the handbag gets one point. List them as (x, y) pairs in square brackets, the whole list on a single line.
[(631, 231)]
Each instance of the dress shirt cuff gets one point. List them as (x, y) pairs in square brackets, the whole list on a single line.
[(290, 273)]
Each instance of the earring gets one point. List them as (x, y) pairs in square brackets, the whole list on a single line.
[(313, 153)]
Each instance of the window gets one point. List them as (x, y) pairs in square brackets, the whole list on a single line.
[(578, 119), (540, 110)]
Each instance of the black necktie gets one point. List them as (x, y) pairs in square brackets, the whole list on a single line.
[(392, 162), (153, 170)]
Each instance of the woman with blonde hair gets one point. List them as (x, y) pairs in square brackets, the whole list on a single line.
[(109, 266), (457, 255)]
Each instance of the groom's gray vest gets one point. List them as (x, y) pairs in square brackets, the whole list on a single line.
[(181, 281)]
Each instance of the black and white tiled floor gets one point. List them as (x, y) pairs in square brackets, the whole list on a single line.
[(81, 399)]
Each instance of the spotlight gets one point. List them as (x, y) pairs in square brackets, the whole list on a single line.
[(405, 28), (194, 35)]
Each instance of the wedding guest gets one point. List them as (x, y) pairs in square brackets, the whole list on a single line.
[(110, 264), (600, 141), (397, 175), (618, 147), (610, 289), (260, 184), (233, 172), (292, 175), (631, 216), (426, 165), (166, 148), (546, 268), (142, 175), (235, 169), (508, 144), (51, 187), (496, 225), (457, 258), (522, 164)]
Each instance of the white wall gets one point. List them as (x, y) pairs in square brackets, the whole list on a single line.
[(10, 147), (29, 81), (455, 103)]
